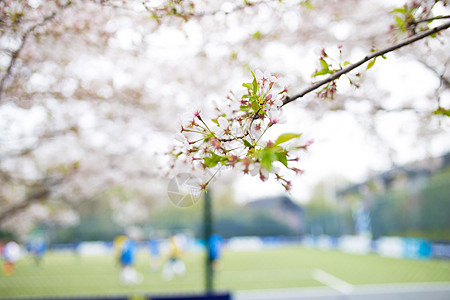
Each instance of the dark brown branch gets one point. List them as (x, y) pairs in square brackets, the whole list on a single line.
[(376, 54)]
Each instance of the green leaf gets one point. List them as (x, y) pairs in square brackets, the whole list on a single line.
[(325, 68), (212, 161), (442, 111), (322, 72), (286, 137), (255, 106), (247, 85), (307, 4), (247, 143), (347, 63), (255, 85), (324, 64), (267, 158), (400, 22), (257, 35), (371, 63), (400, 10), (281, 157)]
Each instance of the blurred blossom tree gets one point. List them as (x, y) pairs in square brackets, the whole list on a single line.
[(89, 89)]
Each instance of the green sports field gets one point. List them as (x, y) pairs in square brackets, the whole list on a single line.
[(289, 267)]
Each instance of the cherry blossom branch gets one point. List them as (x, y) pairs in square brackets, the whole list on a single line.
[(15, 54), (158, 12), (40, 140), (367, 58), (40, 192)]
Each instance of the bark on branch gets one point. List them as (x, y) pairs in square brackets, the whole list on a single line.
[(373, 55)]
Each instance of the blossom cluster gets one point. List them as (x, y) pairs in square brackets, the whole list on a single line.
[(233, 137), (329, 66), (415, 16)]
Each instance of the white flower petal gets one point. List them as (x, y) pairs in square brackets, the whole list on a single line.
[(236, 130), (278, 103), (185, 118), (180, 137), (223, 123), (253, 170), (259, 75), (273, 79)]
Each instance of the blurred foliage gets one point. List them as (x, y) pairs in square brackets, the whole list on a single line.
[(326, 216), (327, 219), (6, 235), (251, 223), (231, 219), (403, 208), (435, 206), (405, 212), (95, 224), (396, 211)]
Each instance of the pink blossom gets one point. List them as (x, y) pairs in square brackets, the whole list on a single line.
[(216, 143), (309, 143)]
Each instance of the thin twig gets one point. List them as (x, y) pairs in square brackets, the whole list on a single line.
[(366, 59), (431, 19)]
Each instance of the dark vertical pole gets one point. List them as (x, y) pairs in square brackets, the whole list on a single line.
[(208, 224)]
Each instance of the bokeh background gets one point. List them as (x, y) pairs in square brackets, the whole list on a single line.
[(90, 95)]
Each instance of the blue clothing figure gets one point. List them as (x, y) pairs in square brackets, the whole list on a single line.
[(153, 246), (155, 255), (128, 253), (215, 249), (37, 248), (127, 257)]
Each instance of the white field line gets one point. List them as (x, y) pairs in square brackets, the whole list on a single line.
[(332, 281)]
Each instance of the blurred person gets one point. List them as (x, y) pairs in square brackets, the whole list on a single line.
[(215, 250), (127, 258), (174, 265), (118, 244), (11, 253), (76, 248), (37, 249), (155, 254)]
